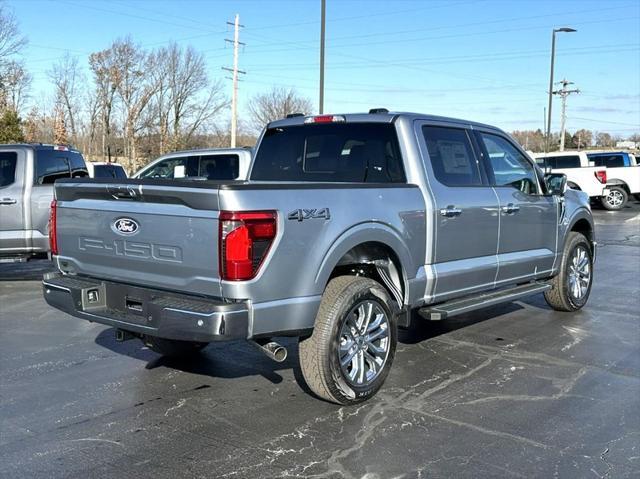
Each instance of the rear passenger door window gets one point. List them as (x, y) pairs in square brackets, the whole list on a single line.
[(8, 162), (508, 166), (566, 162), (220, 167), (452, 156)]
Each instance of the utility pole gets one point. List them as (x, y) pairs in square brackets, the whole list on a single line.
[(322, 28), (564, 93), (553, 56), (235, 71)]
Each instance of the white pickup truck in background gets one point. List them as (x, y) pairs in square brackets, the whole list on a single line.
[(581, 175), (623, 174)]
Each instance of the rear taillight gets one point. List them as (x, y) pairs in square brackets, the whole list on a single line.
[(245, 239), (602, 176), (53, 234)]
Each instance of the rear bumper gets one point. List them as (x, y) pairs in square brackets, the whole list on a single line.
[(147, 311)]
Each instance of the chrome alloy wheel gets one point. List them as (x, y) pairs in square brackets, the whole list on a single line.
[(364, 343), (579, 273), (615, 198)]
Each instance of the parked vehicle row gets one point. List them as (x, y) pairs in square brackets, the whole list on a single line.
[(28, 171), (610, 177), (345, 225)]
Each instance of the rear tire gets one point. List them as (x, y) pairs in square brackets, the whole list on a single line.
[(571, 287), (616, 199), (173, 347), (348, 357)]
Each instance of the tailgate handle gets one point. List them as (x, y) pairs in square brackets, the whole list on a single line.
[(124, 192)]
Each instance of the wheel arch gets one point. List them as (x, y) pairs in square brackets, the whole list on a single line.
[(618, 182), (582, 223), (372, 250)]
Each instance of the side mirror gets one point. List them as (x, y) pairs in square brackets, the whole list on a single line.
[(556, 183)]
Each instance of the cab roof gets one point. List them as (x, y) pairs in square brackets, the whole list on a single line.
[(380, 116)]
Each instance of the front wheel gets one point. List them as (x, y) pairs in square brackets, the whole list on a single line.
[(570, 289), (173, 347), (348, 357), (616, 199)]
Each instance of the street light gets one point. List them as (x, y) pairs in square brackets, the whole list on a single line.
[(553, 55)]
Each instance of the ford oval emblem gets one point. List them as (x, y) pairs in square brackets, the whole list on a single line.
[(126, 226)]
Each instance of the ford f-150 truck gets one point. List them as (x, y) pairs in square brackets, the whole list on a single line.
[(27, 174), (346, 226)]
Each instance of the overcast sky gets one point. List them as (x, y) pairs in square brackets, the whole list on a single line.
[(481, 60)]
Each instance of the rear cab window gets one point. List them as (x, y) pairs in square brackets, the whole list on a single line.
[(8, 163), (610, 161), (109, 171), (52, 164), (335, 152)]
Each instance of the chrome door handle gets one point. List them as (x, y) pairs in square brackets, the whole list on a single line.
[(510, 208), (8, 201), (450, 212)]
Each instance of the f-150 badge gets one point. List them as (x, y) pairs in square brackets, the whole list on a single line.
[(307, 214)]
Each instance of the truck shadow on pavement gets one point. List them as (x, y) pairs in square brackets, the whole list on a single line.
[(238, 359), (233, 359)]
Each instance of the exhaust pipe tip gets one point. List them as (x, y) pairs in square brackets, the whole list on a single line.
[(272, 350), (279, 353)]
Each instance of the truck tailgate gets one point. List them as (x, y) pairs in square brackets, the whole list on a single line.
[(137, 231)]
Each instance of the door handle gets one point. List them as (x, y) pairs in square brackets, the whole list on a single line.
[(510, 208), (450, 212), (8, 201)]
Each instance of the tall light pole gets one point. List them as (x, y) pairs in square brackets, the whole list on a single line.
[(322, 27), (553, 55)]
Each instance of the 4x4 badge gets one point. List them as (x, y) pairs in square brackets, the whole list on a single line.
[(305, 214)]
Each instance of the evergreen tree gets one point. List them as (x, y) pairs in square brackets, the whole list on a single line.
[(10, 127)]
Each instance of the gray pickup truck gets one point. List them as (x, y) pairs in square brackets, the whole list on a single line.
[(27, 174), (346, 226)]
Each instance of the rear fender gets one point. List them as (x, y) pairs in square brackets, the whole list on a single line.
[(366, 233)]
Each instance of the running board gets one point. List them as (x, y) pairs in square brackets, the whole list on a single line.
[(464, 305)]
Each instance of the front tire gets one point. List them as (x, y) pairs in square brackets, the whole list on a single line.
[(348, 357), (616, 199), (172, 347), (570, 289)]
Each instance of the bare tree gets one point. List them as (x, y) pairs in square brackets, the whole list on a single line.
[(60, 129), (11, 41), (275, 104), (68, 79), (15, 83), (134, 88), (192, 100), (106, 77)]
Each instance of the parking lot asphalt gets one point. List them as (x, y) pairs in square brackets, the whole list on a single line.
[(516, 390)]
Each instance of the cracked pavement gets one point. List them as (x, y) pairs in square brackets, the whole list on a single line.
[(516, 390)]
